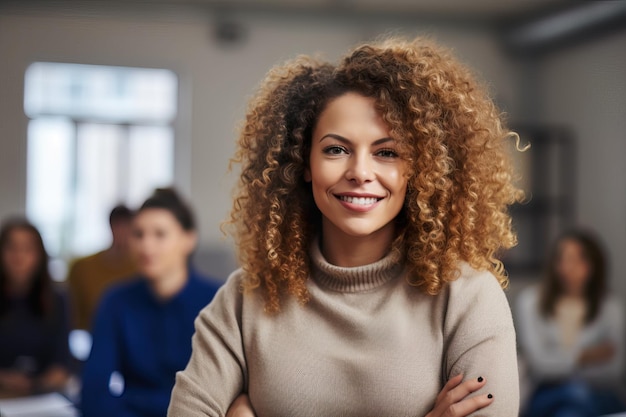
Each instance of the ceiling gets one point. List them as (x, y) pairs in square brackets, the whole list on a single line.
[(525, 26), (457, 10), (441, 8)]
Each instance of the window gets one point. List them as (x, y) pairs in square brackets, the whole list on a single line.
[(97, 136)]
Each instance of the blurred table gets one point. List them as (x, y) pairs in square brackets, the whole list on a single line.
[(45, 405)]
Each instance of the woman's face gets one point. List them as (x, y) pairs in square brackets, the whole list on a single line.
[(21, 256), (159, 243), (573, 267), (358, 179)]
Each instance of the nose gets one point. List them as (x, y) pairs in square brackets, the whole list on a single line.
[(140, 244), (360, 169)]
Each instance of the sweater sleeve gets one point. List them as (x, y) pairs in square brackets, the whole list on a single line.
[(216, 372), (104, 359), (612, 321), (480, 340), (546, 361)]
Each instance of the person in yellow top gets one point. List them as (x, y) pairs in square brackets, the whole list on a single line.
[(90, 276)]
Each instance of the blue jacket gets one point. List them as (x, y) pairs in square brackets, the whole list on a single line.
[(146, 341)]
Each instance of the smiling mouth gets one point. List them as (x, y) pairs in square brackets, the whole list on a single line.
[(361, 201)]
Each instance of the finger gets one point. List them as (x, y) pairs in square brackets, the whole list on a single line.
[(457, 394), (468, 406), (463, 390), (452, 382)]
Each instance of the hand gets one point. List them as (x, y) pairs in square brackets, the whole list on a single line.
[(53, 379), (15, 383), (241, 407), (595, 355), (453, 399)]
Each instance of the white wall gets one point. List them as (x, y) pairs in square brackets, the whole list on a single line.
[(214, 82), (585, 88)]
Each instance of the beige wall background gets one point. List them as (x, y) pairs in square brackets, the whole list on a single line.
[(583, 87)]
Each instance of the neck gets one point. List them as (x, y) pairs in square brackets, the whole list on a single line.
[(168, 285), (18, 287), (349, 251), (573, 292)]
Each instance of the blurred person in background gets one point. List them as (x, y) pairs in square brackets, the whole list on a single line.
[(571, 333), (90, 276), (34, 353), (143, 328)]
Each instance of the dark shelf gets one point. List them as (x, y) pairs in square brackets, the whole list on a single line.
[(548, 172)]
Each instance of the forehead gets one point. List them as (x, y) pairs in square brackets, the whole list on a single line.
[(351, 114), (570, 246), (21, 237), (153, 215)]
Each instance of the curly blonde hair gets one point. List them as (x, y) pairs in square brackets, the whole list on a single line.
[(450, 132)]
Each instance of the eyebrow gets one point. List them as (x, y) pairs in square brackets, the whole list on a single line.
[(346, 140)]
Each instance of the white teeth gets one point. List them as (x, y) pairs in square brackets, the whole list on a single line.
[(362, 201)]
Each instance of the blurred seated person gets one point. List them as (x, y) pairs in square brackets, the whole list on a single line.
[(571, 333), (143, 328), (90, 276), (34, 353)]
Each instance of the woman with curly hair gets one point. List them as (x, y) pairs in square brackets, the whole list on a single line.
[(370, 211)]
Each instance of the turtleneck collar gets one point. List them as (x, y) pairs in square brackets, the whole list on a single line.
[(354, 279)]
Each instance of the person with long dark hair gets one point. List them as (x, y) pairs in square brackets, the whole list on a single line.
[(143, 328), (570, 332), (34, 352)]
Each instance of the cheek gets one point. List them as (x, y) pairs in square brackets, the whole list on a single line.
[(31, 259), (322, 180), (396, 181), (584, 270), (174, 247)]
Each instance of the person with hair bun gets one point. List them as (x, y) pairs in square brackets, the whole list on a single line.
[(370, 212), (143, 328)]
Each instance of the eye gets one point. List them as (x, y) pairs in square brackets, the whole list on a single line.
[(335, 150), (387, 153)]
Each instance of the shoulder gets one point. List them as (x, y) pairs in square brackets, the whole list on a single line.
[(230, 294), (125, 292), (473, 284), (233, 287), (612, 308), (477, 299), (227, 304), (204, 283), (86, 261)]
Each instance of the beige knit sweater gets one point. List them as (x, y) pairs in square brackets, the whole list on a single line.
[(367, 344)]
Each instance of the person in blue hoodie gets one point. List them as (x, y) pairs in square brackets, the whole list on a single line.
[(142, 330)]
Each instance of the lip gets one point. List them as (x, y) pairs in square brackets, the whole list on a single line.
[(361, 208), (146, 260)]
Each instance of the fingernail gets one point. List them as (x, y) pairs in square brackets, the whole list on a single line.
[(489, 396), (480, 379)]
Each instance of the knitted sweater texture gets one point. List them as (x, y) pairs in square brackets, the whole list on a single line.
[(366, 344)]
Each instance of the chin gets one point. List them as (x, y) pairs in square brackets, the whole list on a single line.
[(364, 230), (149, 273)]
